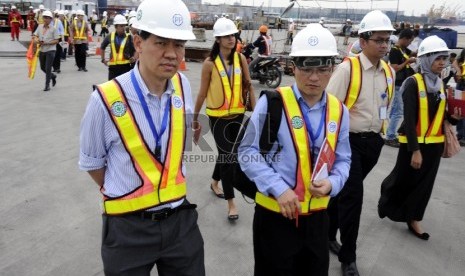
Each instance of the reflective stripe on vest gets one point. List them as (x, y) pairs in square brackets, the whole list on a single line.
[(79, 34), (403, 54), (65, 25), (355, 85), (463, 71), (117, 58), (104, 23), (161, 182), (233, 103), (301, 145), (428, 133)]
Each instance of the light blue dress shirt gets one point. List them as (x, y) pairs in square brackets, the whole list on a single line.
[(273, 176), (102, 147)]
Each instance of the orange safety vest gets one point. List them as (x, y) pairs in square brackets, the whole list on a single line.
[(161, 182), (79, 34), (233, 102), (355, 84), (428, 132), (117, 57), (334, 112)]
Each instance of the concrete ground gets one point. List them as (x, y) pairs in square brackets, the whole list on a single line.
[(50, 221)]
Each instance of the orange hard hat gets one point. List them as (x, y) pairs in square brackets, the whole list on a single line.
[(263, 29)]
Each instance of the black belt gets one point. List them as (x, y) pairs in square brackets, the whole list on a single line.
[(163, 213), (367, 134)]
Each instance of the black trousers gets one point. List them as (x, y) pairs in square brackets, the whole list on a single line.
[(116, 70), (225, 132), (92, 26), (345, 209), (80, 55), (46, 61), (132, 245), (57, 60), (282, 249)]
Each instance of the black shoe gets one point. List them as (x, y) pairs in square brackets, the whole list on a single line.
[(47, 88), (58, 71), (84, 69), (423, 236), (349, 269), (462, 142), (220, 195), (54, 81), (334, 247), (233, 217), (80, 69), (392, 143)]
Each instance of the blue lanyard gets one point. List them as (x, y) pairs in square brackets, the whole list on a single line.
[(164, 122), (313, 136)]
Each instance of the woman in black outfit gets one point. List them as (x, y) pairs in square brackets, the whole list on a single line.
[(407, 189)]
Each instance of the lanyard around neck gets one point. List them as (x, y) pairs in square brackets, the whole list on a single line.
[(157, 135), (313, 136)]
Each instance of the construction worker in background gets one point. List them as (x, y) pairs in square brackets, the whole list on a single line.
[(365, 84), (65, 43), (133, 135), (58, 25), (38, 17), (290, 31), (78, 36), (279, 23), (30, 19), (133, 31), (121, 49), (15, 21), (263, 43), (46, 37), (72, 17), (290, 222), (93, 22), (104, 25), (131, 14), (347, 31), (400, 59)]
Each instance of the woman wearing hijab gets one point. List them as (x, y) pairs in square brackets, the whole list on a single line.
[(406, 191)]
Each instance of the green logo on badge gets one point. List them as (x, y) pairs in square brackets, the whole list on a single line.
[(118, 109), (422, 94), (297, 122)]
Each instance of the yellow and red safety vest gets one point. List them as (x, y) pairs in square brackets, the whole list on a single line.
[(117, 57), (233, 102), (427, 132), (161, 182), (355, 84), (299, 135)]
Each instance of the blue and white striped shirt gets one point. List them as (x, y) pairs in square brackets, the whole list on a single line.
[(102, 147)]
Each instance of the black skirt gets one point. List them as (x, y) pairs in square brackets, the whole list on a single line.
[(405, 192)]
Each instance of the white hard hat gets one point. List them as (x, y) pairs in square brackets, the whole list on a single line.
[(348, 20), (47, 13), (61, 12), (56, 11), (432, 44), (66, 12), (394, 39), (120, 20), (375, 21), (31, 7), (314, 41), (104, 13), (321, 22), (224, 26), (238, 18), (132, 14), (13, 7), (168, 21), (73, 12), (132, 20), (80, 12), (41, 7), (291, 20)]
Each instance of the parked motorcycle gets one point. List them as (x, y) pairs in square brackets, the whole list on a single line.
[(267, 71)]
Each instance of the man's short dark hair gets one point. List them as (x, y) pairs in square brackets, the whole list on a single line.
[(453, 55), (406, 33)]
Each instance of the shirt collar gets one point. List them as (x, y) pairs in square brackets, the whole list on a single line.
[(169, 89), (366, 63), (301, 100)]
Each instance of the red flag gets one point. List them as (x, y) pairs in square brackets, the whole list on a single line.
[(31, 59)]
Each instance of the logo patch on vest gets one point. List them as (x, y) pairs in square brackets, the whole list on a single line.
[(297, 122), (176, 101), (422, 94), (332, 126), (222, 73), (237, 70), (442, 96), (118, 109), (389, 81)]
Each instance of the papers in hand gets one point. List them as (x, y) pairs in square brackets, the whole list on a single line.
[(324, 161)]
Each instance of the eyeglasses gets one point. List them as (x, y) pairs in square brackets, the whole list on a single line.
[(380, 42), (319, 71)]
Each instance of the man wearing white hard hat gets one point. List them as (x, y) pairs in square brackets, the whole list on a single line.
[(58, 25), (132, 141), (93, 22), (294, 185), (121, 49), (347, 30), (104, 24), (79, 31), (365, 84), (30, 19), (15, 21), (38, 17), (47, 37)]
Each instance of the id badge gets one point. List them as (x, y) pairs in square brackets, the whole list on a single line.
[(383, 112)]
